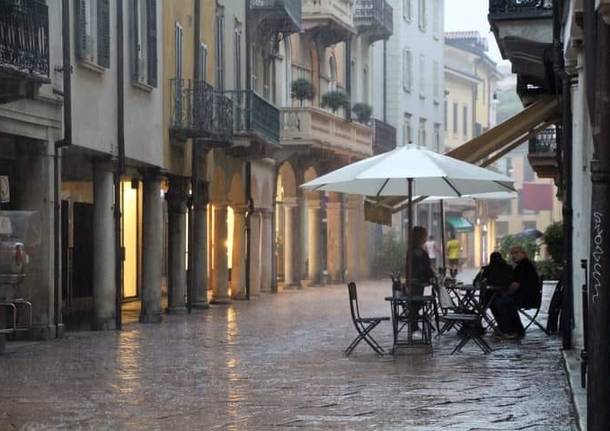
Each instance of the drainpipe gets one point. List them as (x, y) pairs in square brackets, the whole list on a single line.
[(120, 168), (195, 168), (66, 141), (348, 77)]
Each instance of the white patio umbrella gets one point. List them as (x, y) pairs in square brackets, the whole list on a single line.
[(411, 171)]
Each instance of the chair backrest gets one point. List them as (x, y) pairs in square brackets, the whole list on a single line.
[(353, 300), (444, 299)]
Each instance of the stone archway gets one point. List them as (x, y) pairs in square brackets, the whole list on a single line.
[(315, 238), (236, 236), (217, 225)]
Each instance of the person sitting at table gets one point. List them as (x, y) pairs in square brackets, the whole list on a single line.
[(522, 292), (497, 276)]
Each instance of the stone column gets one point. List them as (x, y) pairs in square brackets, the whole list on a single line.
[(255, 252), (300, 240), (33, 184), (266, 266), (290, 206), (104, 285), (238, 258), (176, 209), (199, 270), (313, 238), (354, 233), (334, 243), (220, 286), (152, 249)]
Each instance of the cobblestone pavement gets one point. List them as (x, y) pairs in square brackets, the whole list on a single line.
[(276, 363)]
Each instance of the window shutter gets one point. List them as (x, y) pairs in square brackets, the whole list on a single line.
[(80, 26), (151, 19), (103, 33), (134, 28)]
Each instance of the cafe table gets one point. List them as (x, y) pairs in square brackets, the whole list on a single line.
[(400, 305)]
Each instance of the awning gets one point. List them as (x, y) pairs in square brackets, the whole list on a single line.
[(499, 140), (486, 148), (459, 224)]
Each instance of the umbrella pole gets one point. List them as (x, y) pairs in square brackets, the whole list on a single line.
[(409, 267), (443, 245)]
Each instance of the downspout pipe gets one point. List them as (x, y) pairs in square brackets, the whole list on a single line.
[(385, 80), (120, 167), (65, 142), (248, 173), (195, 168)]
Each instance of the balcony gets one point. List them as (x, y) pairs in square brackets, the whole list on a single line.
[(280, 15), (255, 121), (330, 21), (524, 32), (199, 111), (24, 48), (384, 137), (543, 156), (315, 128), (374, 18)]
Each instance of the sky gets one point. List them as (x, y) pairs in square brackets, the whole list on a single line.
[(465, 15)]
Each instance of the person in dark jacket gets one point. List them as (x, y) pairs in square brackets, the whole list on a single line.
[(422, 271), (522, 292), (497, 276)]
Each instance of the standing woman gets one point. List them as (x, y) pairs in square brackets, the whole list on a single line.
[(422, 271)]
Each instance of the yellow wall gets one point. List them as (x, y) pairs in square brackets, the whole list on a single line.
[(130, 240), (462, 93)]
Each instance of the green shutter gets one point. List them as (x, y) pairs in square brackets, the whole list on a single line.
[(103, 33), (134, 28), (80, 29), (151, 19)]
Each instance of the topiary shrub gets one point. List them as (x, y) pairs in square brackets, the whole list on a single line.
[(553, 238), (301, 89), (363, 112), (335, 100)]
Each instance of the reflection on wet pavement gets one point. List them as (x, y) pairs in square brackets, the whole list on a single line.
[(276, 362)]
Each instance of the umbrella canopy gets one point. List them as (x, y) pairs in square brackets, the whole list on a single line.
[(533, 233), (433, 174), (411, 171)]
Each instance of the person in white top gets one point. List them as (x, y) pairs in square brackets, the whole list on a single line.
[(432, 250)]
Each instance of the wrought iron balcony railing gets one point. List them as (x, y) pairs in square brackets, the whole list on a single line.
[(374, 17), (24, 37), (283, 15), (384, 138), (544, 144), (254, 115), (514, 9), (200, 111)]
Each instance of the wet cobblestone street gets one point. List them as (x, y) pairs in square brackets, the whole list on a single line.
[(277, 363)]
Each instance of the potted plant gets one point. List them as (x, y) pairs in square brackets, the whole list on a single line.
[(301, 89), (335, 100), (363, 112)]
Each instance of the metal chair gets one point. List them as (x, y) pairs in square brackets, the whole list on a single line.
[(469, 321), (363, 325), (535, 307)]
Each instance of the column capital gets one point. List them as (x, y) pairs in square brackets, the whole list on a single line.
[(290, 202), (177, 194), (314, 204)]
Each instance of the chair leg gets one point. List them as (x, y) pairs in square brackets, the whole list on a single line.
[(367, 330), (363, 334), (461, 344), (482, 344), (532, 320)]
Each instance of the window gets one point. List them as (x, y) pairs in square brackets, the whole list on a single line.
[(422, 76), (529, 225), (437, 137), (422, 132), (365, 85), (422, 15), (92, 32), (407, 10), (178, 51), (483, 84), (407, 70), (436, 89), (143, 16), (435, 19), (445, 116), (237, 51), (332, 65), (220, 54), (465, 121), (407, 133), (455, 118), (203, 62)]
